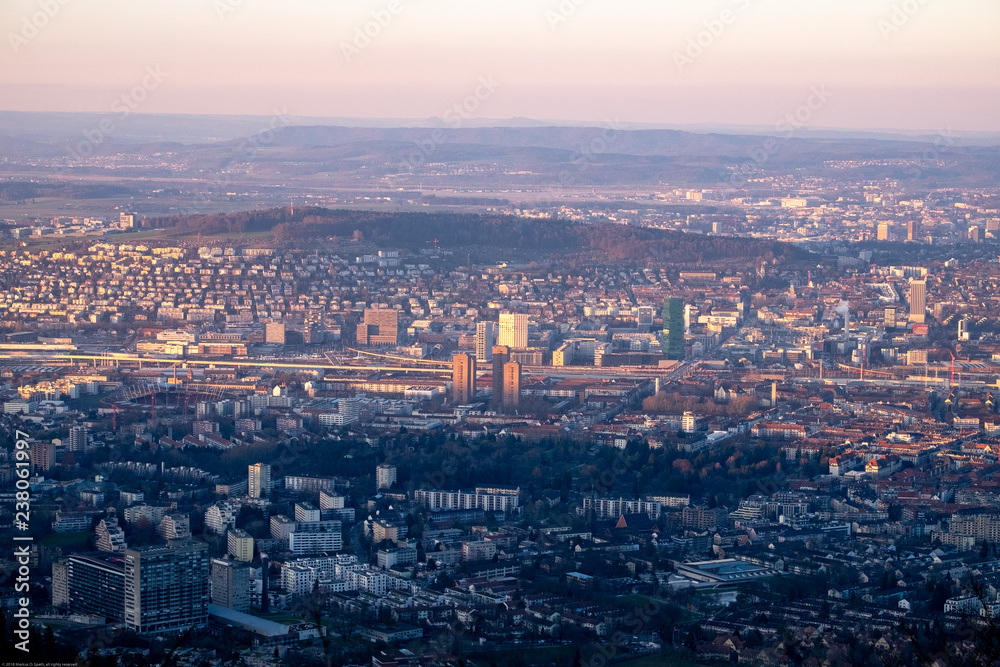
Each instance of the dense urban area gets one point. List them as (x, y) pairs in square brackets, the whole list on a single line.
[(756, 421)]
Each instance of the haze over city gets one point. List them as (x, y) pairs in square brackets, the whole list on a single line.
[(440, 333), (920, 65)]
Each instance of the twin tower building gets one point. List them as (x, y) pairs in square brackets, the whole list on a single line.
[(494, 345)]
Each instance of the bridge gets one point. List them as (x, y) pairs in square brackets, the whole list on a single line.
[(117, 359), (422, 366), (839, 375)]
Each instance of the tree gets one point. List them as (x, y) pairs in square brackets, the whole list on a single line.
[(936, 647), (346, 622), (49, 644), (941, 593)]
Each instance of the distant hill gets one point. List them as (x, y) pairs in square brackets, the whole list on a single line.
[(413, 231), (46, 127), (521, 156)]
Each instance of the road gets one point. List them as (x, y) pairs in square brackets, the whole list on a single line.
[(117, 359), (677, 372), (63, 357)]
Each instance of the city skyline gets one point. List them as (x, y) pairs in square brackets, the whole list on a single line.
[(509, 334)]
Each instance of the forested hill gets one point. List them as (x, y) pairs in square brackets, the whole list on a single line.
[(414, 230)]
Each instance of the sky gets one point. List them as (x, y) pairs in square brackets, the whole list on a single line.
[(927, 65)]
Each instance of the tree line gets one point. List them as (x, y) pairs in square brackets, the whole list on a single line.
[(413, 230)]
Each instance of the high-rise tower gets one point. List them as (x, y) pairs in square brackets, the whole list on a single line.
[(501, 355), (486, 334), (673, 328), (513, 330), (463, 378), (166, 587), (259, 480), (511, 384), (918, 301)]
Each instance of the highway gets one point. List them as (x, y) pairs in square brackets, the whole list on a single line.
[(114, 360), (71, 357), (677, 372)]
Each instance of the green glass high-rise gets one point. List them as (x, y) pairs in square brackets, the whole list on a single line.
[(673, 328)]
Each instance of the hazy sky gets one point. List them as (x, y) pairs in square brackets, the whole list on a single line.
[(894, 64)]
